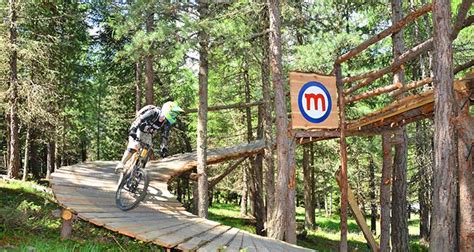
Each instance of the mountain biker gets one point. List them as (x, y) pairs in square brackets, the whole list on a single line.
[(149, 120)]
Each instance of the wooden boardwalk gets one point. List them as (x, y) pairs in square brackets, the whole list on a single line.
[(88, 190)]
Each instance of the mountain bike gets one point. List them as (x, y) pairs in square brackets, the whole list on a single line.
[(133, 181)]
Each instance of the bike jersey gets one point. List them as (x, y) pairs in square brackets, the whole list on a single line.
[(148, 121)]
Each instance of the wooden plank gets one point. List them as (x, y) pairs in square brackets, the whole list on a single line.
[(220, 242), (139, 231), (259, 243), (247, 243), (153, 235), (203, 239), (236, 243), (89, 181), (88, 174), (139, 225), (114, 215), (360, 219), (131, 218), (173, 239)]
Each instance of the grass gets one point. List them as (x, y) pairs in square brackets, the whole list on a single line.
[(325, 237), (27, 224)]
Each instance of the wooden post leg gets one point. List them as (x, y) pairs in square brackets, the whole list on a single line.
[(66, 224), (465, 172), (343, 155)]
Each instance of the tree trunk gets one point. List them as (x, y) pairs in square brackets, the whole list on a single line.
[(326, 206), (278, 227), (27, 154), (195, 198), (385, 184), (422, 140), (138, 86), (466, 184), (245, 168), (259, 205), (399, 186), (443, 235), (8, 138), (244, 196), (203, 183), (256, 177), (35, 159), (290, 235), (268, 160), (50, 159), (330, 201), (313, 179), (149, 74), (424, 178), (14, 163), (309, 220), (373, 205), (56, 155)]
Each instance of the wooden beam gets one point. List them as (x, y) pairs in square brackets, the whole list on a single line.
[(390, 30), (360, 219), (396, 64), (372, 93), (309, 136), (214, 180), (461, 18), (343, 154), (464, 66), (385, 185), (468, 22), (412, 85), (230, 106)]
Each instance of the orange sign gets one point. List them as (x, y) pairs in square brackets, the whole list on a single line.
[(313, 101)]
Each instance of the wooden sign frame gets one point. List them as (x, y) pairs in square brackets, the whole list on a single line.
[(310, 106)]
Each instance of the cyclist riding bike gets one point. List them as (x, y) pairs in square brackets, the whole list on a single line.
[(149, 120)]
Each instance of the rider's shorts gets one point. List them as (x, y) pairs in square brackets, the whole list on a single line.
[(142, 136)]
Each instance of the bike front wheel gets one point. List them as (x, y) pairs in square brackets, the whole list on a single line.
[(132, 189)]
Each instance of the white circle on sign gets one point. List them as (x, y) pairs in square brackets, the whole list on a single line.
[(314, 102)]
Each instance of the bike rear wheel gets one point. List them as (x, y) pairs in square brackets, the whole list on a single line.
[(132, 189)]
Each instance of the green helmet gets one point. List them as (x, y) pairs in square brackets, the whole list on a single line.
[(171, 110)]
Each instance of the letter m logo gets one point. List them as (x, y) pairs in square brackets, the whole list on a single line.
[(315, 98)]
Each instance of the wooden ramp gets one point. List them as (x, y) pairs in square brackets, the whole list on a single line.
[(88, 190)]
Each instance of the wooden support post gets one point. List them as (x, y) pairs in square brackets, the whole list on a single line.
[(360, 219), (385, 193), (343, 152), (465, 172), (66, 224)]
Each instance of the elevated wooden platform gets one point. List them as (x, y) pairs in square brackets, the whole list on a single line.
[(398, 113), (88, 190)]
